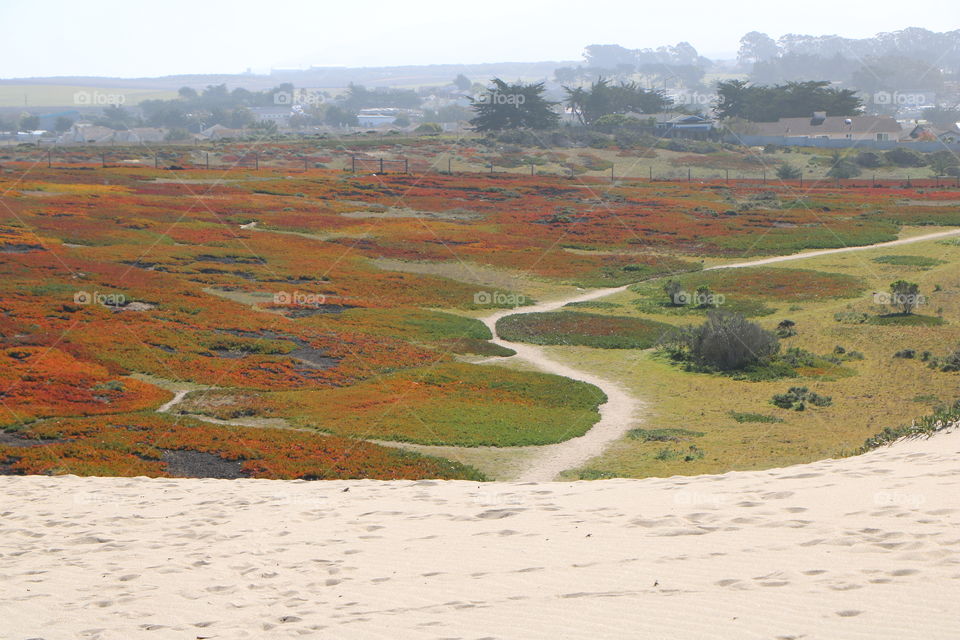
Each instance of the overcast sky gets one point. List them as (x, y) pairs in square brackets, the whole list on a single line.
[(132, 39)]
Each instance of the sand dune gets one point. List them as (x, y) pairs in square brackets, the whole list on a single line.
[(863, 547)]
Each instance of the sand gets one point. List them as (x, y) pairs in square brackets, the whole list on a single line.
[(863, 547)]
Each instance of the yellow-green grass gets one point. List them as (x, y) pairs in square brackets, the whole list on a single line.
[(885, 392), (447, 404)]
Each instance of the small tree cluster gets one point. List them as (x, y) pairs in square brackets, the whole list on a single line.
[(797, 398), (725, 342)]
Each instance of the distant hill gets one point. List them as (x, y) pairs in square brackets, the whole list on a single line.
[(317, 77)]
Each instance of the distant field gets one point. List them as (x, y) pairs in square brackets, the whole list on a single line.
[(55, 95)]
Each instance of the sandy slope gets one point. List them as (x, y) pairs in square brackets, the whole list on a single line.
[(864, 547)]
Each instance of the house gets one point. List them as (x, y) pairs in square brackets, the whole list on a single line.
[(280, 115), (86, 134), (824, 127), (950, 135), (676, 125), (30, 136), (140, 135), (374, 119)]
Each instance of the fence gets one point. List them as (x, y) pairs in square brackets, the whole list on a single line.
[(192, 159), (378, 164)]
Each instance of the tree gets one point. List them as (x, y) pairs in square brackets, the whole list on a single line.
[(187, 93), (942, 161), (513, 106), (841, 168), (29, 123), (787, 171), (339, 117), (462, 82), (727, 341), (756, 47), (760, 103), (673, 289), (116, 117), (905, 158), (603, 99), (62, 124), (904, 296)]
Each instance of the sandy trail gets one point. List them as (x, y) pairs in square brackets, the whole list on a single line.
[(825, 252), (622, 411)]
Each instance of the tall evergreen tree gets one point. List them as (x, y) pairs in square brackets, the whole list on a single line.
[(513, 106)]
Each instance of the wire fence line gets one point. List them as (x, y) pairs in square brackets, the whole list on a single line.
[(192, 159)]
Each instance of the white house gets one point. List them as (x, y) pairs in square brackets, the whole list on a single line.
[(822, 126)]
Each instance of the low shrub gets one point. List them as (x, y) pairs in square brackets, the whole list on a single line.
[(753, 417), (797, 398)]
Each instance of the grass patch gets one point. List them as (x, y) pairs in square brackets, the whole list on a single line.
[(906, 320), (753, 417), (593, 304), (909, 261), (663, 435), (582, 329), (940, 419), (447, 404), (746, 291), (476, 347)]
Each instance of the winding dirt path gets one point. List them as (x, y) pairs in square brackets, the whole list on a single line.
[(621, 412)]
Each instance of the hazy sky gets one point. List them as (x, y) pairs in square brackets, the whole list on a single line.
[(129, 39)]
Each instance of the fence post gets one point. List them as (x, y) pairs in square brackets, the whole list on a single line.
[(381, 165), (764, 177), (689, 174), (728, 175), (450, 166), (49, 151), (406, 165), (256, 161), (208, 160), (103, 160), (651, 172), (304, 164)]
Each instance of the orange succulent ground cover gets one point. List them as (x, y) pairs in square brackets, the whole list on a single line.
[(108, 272)]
